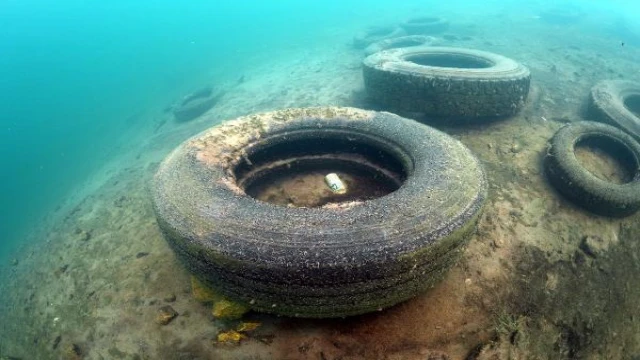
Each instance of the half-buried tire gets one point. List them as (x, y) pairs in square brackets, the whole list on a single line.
[(345, 257), (578, 184), (446, 82), (617, 102)]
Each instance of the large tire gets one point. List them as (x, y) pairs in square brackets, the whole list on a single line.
[(329, 261), (446, 82), (617, 102), (578, 184), (400, 42), (425, 25), (376, 33)]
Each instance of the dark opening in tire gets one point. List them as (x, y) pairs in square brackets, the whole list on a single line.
[(446, 82), (605, 158), (292, 171), (460, 61), (632, 103), (336, 257), (610, 193)]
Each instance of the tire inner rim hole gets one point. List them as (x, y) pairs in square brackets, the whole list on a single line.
[(607, 159), (291, 172), (460, 61), (632, 103)]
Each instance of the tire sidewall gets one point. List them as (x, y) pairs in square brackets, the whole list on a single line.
[(606, 104)]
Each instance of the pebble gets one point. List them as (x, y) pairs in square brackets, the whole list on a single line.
[(593, 245), (165, 315), (83, 235)]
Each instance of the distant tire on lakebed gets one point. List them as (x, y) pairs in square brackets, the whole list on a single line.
[(617, 102), (425, 25), (368, 249), (446, 82), (195, 104), (578, 184), (376, 33)]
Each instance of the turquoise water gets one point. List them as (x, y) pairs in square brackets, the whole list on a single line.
[(75, 74), (83, 82)]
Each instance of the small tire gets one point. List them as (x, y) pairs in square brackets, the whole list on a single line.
[(446, 82), (425, 25), (317, 262), (578, 184), (195, 104), (617, 102), (400, 42), (376, 33)]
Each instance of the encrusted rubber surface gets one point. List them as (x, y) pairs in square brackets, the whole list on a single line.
[(331, 261), (578, 184), (400, 42), (607, 104), (425, 25), (377, 33), (498, 89)]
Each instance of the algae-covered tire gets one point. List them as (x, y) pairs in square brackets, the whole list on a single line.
[(195, 104), (578, 184), (617, 102), (446, 82), (337, 260), (376, 33), (400, 42), (425, 25)]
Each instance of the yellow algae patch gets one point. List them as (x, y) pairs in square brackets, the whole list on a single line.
[(233, 337), (222, 308), (201, 292), (248, 326), (226, 309), (230, 337)]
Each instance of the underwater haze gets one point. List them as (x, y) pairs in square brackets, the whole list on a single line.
[(89, 90), (78, 76)]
